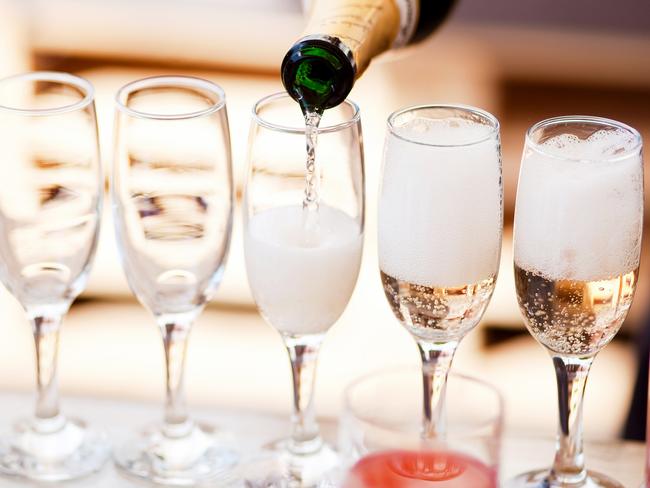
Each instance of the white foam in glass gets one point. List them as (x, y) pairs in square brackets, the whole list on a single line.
[(580, 207), (440, 207)]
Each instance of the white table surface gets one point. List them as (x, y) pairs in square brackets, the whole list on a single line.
[(623, 461)]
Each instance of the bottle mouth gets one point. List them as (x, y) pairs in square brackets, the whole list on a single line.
[(310, 68)]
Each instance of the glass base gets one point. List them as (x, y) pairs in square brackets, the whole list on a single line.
[(190, 459), (539, 479), (56, 449), (279, 467)]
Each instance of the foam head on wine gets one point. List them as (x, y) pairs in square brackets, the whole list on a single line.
[(577, 238), (302, 278), (440, 220)]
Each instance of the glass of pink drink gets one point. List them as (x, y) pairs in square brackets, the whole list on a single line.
[(382, 441)]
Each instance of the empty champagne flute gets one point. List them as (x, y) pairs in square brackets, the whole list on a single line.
[(440, 226), (380, 434), (51, 194), (172, 195), (578, 225), (303, 236)]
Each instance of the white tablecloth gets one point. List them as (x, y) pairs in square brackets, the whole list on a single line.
[(623, 461)]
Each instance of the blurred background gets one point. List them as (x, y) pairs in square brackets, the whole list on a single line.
[(522, 61)]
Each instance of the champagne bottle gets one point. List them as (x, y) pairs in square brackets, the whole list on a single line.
[(343, 36)]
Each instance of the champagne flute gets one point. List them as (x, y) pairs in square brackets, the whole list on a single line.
[(51, 194), (578, 225), (303, 238), (440, 226), (173, 200), (380, 434)]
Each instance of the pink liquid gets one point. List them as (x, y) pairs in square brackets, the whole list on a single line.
[(413, 469)]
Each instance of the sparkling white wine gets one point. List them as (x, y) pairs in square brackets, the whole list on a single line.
[(312, 174), (574, 317), (440, 222), (577, 239), (311, 197), (301, 279), (438, 313)]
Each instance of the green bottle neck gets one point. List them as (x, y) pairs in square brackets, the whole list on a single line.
[(318, 72)]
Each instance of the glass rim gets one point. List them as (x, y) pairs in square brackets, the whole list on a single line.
[(494, 123), (180, 81), (55, 77), (592, 119), (354, 119), (349, 410)]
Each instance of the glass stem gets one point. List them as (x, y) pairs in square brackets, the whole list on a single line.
[(175, 331), (436, 362), (303, 353), (46, 341), (568, 466)]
